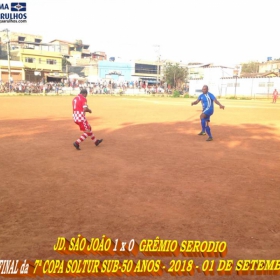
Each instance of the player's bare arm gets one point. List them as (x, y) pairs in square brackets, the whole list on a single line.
[(218, 103), (86, 109), (195, 102)]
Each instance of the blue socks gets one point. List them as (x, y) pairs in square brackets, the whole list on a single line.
[(203, 125), (205, 128), (208, 131)]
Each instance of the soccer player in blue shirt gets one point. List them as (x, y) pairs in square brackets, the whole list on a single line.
[(207, 99)]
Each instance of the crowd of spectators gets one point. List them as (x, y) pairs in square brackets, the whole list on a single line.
[(31, 87), (113, 87), (99, 87)]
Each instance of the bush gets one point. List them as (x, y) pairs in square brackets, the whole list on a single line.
[(176, 93), (186, 95)]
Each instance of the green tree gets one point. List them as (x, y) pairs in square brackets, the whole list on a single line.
[(250, 67), (175, 75)]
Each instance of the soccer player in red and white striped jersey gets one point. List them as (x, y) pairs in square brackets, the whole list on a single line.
[(80, 108)]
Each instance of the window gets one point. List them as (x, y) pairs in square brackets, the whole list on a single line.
[(29, 46), (261, 84), (38, 40), (233, 85), (270, 84), (57, 48), (30, 60), (21, 39), (51, 61), (146, 68)]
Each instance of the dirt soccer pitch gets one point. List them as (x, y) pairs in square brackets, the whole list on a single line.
[(152, 175)]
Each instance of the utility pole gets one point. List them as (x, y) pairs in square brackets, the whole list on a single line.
[(158, 53), (8, 56), (158, 71), (235, 86)]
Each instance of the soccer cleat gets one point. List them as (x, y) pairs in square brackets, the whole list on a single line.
[(210, 139), (98, 141), (76, 145), (201, 133)]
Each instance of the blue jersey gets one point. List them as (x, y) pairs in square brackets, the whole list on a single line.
[(207, 101)]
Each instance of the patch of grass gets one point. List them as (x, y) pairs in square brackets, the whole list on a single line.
[(176, 93)]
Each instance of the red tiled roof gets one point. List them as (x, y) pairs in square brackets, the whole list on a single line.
[(252, 75)]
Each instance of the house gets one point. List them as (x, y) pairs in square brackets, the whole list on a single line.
[(40, 61), (78, 53), (254, 75), (74, 49), (212, 76), (82, 61), (269, 66), (115, 71), (17, 39), (148, 71), (16, 70), (195, 69), (99, 55)]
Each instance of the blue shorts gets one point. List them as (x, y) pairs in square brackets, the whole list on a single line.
[(208, 114)]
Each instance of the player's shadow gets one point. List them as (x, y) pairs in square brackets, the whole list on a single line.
[(144, 180)]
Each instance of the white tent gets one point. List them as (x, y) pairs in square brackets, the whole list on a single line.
[(92, 78), (76, 77)]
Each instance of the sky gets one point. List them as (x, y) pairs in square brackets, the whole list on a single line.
[(223, 32)]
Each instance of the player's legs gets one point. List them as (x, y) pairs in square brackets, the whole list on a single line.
[(83, 137), (86, 128), (203, 124), (92, 137), (205, 120), (208, 131)]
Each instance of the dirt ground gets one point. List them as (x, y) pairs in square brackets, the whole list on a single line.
[(152, 175)]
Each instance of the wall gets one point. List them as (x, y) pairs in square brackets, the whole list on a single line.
[(64, 47), (124, 68), (239, 87), (16, 70), (43, 55), (13, 36), (272, 66)]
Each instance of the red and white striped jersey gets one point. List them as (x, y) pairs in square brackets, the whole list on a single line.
[(78, 104)]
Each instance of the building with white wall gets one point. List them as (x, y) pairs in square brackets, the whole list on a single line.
[(211, 76), (257, 87)]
